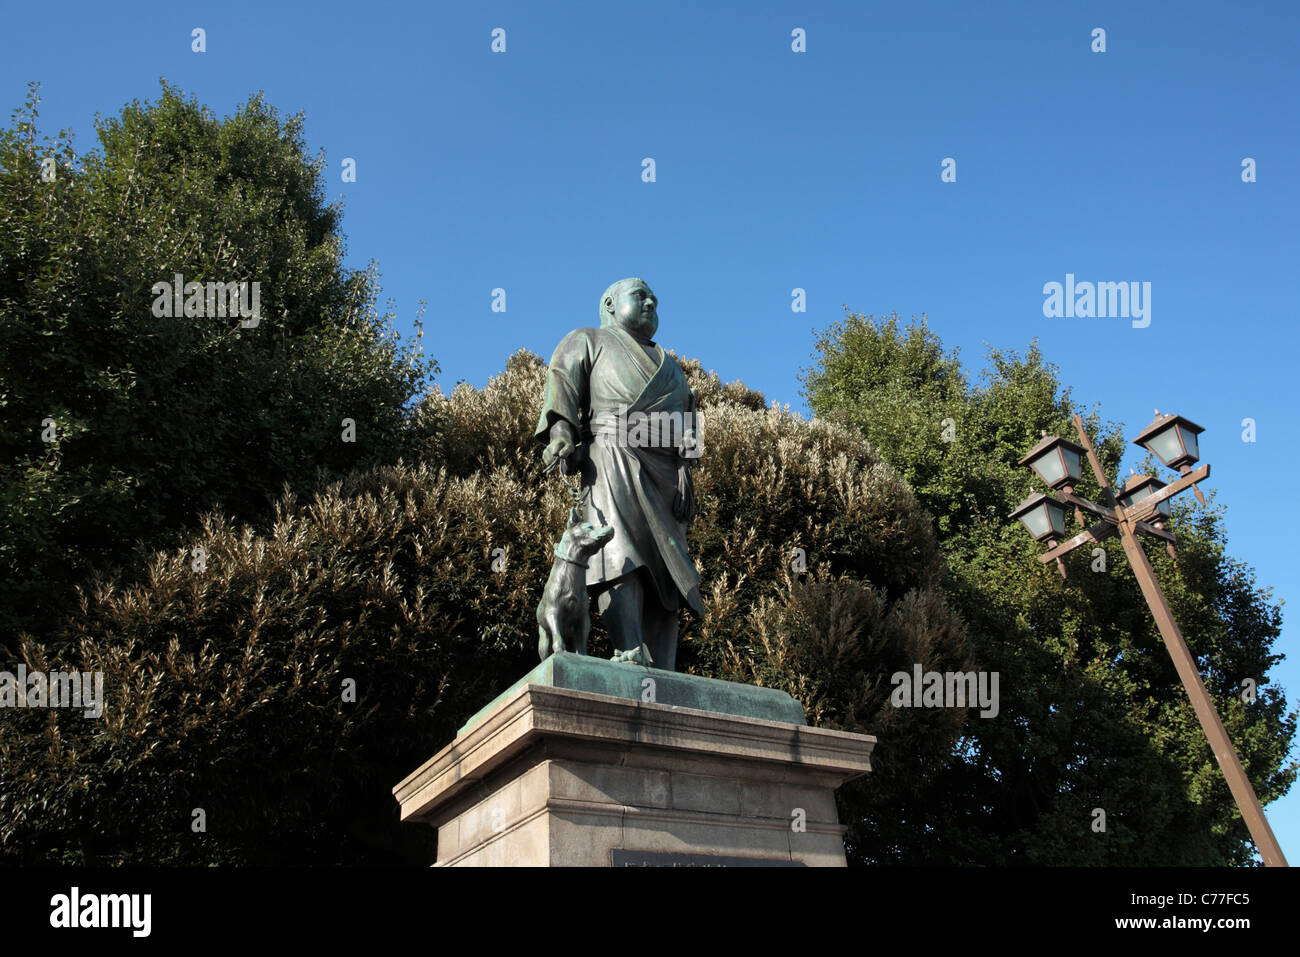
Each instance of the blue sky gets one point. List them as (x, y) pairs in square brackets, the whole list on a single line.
[(819, 170)]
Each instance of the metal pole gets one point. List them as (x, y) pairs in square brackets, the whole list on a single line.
[(1215, 733), (1242, 790)]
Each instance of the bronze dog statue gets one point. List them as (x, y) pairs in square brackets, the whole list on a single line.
[(564, 614)]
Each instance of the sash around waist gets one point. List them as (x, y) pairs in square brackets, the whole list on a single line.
[(659, 432)]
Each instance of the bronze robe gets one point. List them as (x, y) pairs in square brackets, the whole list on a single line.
[(595, 371)]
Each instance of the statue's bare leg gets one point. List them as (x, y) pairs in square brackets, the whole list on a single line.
[(659, 626), (620, 605)]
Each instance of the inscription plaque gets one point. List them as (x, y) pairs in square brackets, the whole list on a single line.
[(622, 857)]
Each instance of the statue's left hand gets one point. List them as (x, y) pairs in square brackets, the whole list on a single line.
[(690, 447), (684, 500)]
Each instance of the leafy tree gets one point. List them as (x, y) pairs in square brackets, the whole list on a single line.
[(118, 426), (1092, 712)]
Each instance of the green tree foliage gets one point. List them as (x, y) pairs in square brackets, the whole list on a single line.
[(158, 419), (225, 687), (1092, 712)]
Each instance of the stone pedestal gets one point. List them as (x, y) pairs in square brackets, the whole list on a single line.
[(554, 774)]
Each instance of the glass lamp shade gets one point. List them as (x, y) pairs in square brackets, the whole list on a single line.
[(1144, 486), (1042, 516), (1057, 461), (1172, 439)]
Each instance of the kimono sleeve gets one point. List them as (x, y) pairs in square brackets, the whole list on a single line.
[(568, 383)]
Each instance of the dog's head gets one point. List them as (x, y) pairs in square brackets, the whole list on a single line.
[(584, 536)]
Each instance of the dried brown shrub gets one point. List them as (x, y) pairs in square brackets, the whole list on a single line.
[(225, 686)]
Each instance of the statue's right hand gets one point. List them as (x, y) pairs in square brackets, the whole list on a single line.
[(559, 450)]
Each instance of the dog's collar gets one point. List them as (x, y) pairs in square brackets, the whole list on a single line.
[(566, 558)]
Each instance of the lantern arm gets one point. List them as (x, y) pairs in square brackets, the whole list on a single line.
[(1093, 533), (1152, 530), (1099, 510), (1146, 509)]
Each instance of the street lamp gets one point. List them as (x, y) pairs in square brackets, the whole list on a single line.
[(1144, 486), (1142, 506), (1042, 516), (1057, 462), (1172, 439), (1140, 487)]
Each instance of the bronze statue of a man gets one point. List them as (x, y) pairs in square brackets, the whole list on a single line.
[(618, 411)]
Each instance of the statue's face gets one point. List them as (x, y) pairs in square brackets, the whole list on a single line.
[(635, 309)]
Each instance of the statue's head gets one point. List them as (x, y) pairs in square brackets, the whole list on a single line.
[(630, 303)]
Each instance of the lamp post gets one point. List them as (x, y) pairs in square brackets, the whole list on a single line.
[(1142, 506)]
